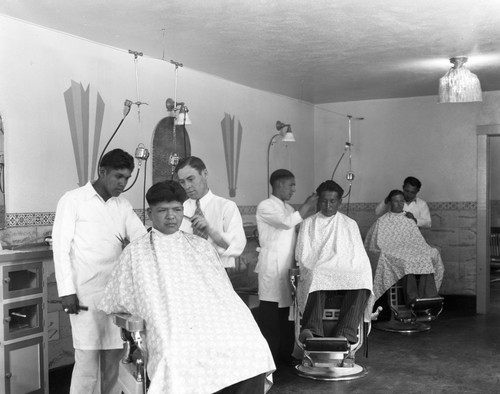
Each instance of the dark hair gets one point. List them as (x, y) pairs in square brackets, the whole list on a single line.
[(279, 175), (117, 159), (330, 186), (393, 193), (191, 161), (413, 182), (166, 191)]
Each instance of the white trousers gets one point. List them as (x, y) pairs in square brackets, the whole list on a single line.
[(88, 363)]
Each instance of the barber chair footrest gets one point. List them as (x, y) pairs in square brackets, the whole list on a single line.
[(339, 344), (421, 304)]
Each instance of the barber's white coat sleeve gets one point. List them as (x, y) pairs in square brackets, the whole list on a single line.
[(277, 218), (134, 227), (63, 233), (424, 219), (233, 233)]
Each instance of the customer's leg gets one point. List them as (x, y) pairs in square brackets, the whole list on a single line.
[(110, 361), (312, 318), (351, 313), (85, 372), (410, 288), (427, 286)]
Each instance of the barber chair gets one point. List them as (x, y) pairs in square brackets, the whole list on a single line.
[(413, 319), (132, 376), (327, 358)]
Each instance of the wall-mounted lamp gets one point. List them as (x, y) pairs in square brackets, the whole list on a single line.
[(285, 132), (459, 85)]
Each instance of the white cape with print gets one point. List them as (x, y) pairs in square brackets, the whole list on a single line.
[(200, 336), (397, 248)]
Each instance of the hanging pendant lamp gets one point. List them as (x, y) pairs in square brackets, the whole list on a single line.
[(459, 85)]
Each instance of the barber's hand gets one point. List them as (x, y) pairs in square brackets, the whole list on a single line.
[(410, 216), (70, 303), (309, 207), (200, 223)]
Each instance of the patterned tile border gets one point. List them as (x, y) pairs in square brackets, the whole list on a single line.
[(47, 218)]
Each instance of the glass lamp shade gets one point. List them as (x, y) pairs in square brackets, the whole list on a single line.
[(182, 119), (459, 85), (288, 136)]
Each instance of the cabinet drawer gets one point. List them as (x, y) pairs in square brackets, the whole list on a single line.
[(22, 279), (22, 318), (24, 369)]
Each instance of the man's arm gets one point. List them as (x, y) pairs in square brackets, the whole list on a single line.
[(267, 211), (63, 233), (424, 215), (133, 225), (381, 208), (233, 233)]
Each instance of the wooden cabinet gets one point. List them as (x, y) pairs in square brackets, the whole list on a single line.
[(23, 337)]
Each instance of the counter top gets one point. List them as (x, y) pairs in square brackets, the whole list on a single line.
[(25, 252)]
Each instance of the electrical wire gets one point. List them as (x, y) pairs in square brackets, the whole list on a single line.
[(107, 144), (144, 194), (335, 170), (135, 179)]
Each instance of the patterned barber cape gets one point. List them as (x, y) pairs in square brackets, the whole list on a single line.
[(200, 336), (397, 248)]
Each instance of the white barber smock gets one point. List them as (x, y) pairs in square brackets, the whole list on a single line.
[(86, 248), (225, 217), (276, 221)]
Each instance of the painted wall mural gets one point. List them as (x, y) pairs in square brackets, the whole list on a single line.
[(232, 133), (78, 110)]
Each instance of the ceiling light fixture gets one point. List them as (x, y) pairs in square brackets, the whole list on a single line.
[(459, 85)]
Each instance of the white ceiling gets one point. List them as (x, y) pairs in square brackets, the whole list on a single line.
[(314, 50)]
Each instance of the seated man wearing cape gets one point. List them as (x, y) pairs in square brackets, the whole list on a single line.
[(331, 256), (398, 250), (201, 338)]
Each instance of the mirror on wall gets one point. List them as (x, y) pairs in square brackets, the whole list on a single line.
[(2, 177)]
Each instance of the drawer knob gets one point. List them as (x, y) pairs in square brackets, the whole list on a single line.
[(8, 375)]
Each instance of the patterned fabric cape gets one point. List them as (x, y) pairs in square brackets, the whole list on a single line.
[(200, 336), (397, 248), (331, 256)]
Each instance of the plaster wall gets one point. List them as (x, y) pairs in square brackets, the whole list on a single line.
[(38, 66), (402, 137)]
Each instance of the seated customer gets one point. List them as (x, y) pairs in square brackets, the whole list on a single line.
[(331, 256), (398, 250), (201, 337)]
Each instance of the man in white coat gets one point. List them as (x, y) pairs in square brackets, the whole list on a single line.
[(91, 227), (276, 222), (212, 217)]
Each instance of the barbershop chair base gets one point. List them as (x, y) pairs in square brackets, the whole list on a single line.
[(329, 359), (330, 373), (400, 327)]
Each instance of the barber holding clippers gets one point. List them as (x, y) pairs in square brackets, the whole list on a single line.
[(91, 227)]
